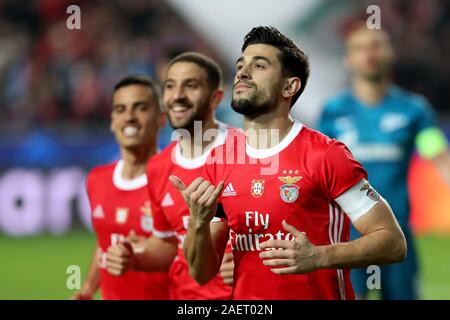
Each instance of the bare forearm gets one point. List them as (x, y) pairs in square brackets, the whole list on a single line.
[(379, 247), (92, 281), (200, 253), (157, 256)]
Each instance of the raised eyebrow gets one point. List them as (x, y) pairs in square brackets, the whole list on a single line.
[(183, 81), (191, 80), (139, 103), (118, 105), (255, 58)]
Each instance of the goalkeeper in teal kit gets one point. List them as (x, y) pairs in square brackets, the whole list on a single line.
[(382, 125)]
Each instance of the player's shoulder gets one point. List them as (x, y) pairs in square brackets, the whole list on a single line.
[(233, 139), (100, 175), (102, 171), (408, 100), (314, 138), (339, 103), (162, 159)]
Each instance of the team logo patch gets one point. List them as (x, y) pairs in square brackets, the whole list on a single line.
[(229, 191), (289, 191), (371, 193), (121, 215), (146, 218), (257, 187)]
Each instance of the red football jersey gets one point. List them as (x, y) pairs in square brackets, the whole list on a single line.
[(171, 218), (297, 181), (119, 206)]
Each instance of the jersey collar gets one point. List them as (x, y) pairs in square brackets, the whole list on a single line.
[(194, 163), (127, 185), (269, 152)]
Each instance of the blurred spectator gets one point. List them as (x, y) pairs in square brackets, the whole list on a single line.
[(419, 31)]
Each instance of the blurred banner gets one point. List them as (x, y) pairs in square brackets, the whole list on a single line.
[(42, 179), (429, 197), (42, 184)]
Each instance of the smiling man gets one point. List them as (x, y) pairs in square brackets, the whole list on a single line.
[(192, 92), (304, 209), (118, 193)]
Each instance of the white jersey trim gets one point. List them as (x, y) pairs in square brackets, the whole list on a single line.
[(188, 163), (163, 234), (124, 184), (266, 153), (335, 233), (355, 202)]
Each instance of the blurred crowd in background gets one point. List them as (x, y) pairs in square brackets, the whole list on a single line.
[(51, 77)]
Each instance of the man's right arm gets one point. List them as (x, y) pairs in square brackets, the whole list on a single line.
[(157, 255), (205, 241), (92, 282), (204, 248)]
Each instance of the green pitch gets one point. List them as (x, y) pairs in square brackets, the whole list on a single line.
[(35, 267)]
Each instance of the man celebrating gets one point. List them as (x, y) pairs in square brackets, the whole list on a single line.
[(118, 192), (298, 207), (381, 124), (192, 92)]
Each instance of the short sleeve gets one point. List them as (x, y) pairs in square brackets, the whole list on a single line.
[(358, 200), (161, 227), (220, 215), (339, 171)]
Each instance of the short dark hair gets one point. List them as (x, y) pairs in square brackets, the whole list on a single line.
[(294, 62), (137, 79), (213, 71)]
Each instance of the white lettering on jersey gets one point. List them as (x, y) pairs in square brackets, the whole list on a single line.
[(250, 241), (393, 121), (257, 219), (377, 152)]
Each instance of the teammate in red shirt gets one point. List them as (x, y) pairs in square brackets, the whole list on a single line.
[(287, 194), (118, 193), (191, 94)]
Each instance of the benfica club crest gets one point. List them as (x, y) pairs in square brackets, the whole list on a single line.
[(371, 193), (257, 187), (289, 191), (146, 218)]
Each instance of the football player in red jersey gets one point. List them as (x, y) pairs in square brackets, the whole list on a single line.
[(118, 193), (192, 92), (288, 225)]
